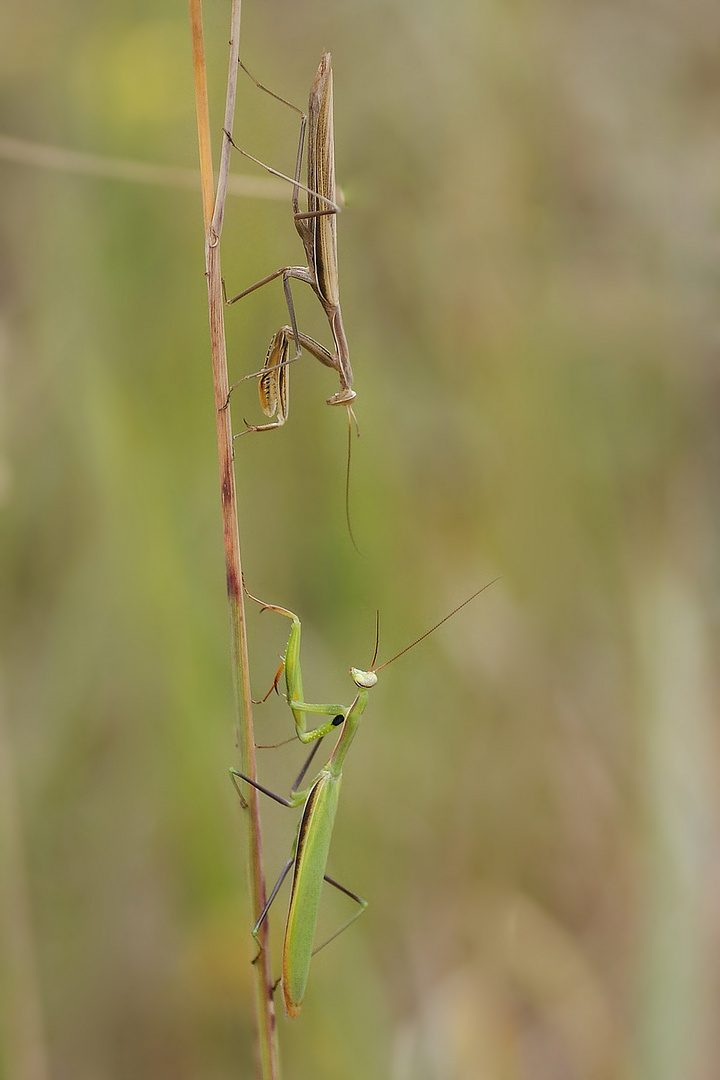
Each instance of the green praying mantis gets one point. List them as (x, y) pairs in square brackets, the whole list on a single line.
[(319, 799)]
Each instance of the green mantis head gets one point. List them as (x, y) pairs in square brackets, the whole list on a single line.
[(363, 679)]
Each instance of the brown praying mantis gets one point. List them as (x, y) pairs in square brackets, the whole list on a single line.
[(317, 228)]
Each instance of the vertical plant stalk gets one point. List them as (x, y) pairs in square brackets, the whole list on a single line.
[(213, 210)]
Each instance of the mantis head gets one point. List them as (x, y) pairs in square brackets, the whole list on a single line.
[(363, 679)]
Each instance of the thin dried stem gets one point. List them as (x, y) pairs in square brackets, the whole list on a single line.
[(60, 159), (213, 209)]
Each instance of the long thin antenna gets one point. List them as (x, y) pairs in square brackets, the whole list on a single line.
[(377, 640), (437, 624), (351, 417)]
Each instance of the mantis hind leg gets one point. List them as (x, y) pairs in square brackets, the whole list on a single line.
[(353, 896), (276, 888), (268, 904)]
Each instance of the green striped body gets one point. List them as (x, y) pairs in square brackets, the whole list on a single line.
[(313, 846)]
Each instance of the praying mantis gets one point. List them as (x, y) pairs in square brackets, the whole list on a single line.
[(317, 229), (319, 799)]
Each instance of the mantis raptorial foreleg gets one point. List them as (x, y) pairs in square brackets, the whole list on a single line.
[(294, 686), (274, 378)]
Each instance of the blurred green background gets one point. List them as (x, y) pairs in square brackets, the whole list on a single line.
[(529, 272)]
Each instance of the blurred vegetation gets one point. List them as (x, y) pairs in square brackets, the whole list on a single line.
[(529, 274)]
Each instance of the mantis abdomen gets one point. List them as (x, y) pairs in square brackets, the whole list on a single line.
[(313, 845)]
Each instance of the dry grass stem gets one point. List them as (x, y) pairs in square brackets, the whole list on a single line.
[(213, 209)]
